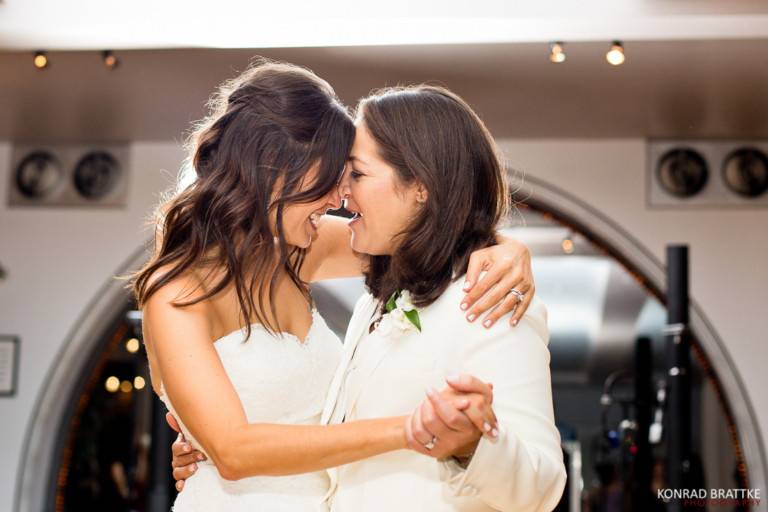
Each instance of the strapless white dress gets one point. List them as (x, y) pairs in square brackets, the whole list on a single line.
[(279, 380)]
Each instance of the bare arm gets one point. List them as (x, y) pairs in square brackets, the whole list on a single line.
[(507, 265), (457, 420), (178, 340)]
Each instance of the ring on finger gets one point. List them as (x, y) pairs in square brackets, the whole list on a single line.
[(431, 443), (520, 296)]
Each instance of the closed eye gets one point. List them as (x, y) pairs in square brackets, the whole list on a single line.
[(355, 175)]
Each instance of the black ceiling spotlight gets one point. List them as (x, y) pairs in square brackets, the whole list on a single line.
[(41, 60), (682, 172), (745, 172), (615, 56), (110, 60), (557, 52)]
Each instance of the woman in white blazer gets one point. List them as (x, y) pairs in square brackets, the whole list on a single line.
[(426, 186), (447, 182)]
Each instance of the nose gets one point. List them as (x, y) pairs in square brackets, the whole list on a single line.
[(343, 188), (334, 199)]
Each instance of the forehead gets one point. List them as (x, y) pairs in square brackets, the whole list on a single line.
[(364, 148)]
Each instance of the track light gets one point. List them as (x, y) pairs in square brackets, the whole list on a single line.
[(556, 52), (40, 60), (615, 55), (110, 60)]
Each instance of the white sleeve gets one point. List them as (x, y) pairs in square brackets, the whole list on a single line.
[(521, 470)]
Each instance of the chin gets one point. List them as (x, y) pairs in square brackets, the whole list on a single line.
[(363, 249), (302, 242), (356, 245)]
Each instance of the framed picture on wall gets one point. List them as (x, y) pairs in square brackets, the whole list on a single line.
[(9, 364)]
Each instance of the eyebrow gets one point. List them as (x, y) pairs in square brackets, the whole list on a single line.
[(357, 159)]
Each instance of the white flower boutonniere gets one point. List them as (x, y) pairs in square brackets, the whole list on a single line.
[(401, 313)]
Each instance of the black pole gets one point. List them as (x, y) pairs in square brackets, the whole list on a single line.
[(160, 485), (644, 403), (679, 374)]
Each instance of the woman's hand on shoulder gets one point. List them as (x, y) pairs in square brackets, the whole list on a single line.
[(507, 266)]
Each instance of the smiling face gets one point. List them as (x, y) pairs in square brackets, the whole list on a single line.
[(300, 220), (382, 204)]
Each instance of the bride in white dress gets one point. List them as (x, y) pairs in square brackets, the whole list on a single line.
[(236, 349)]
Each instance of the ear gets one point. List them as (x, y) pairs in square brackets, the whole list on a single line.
[(421, 193)]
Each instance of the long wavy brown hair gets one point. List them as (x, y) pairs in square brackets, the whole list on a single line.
[(431, 136), (265, 129)]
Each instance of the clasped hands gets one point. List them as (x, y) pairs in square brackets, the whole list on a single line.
[(448, 423)]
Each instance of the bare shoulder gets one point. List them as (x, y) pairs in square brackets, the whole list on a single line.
[(165, 305)]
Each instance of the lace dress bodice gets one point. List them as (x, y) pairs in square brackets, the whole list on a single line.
[(278, 380)]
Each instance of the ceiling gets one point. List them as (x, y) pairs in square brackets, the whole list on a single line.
[(665, 89), (694, 69), (148, 24)]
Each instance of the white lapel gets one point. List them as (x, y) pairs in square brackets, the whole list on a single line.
[(358, 326), (374, 355), (363, 312)]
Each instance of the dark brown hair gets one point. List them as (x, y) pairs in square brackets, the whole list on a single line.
[(431, 136), (266, 128)]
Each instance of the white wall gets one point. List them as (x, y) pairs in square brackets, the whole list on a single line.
[(56, 259)]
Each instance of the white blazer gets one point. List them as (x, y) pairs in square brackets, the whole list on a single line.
[(521, 471)]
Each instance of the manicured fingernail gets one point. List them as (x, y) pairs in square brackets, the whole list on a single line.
[(194, 467), (514, 322), (466, 285), (464, 306), (199, 456), (187, 448), (487, 323), (472, 317), (453, 379), (495, 432), (431, 391), (487, 426)]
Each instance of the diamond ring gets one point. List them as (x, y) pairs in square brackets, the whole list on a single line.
[(518, 294)]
